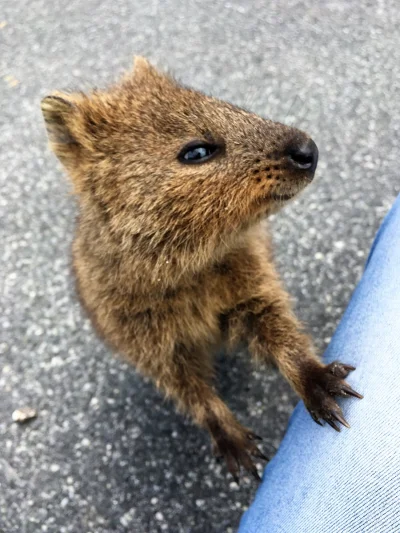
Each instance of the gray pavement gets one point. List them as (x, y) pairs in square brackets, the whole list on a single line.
[(106, 453)]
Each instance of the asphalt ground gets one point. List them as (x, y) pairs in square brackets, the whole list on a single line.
[(106, 453)]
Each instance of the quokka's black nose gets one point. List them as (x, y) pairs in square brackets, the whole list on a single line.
[(302, 155)]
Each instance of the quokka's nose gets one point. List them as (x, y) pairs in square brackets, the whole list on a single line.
[(302, 155)]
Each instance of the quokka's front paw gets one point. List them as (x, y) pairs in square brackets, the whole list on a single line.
[(237, 449), (323, 384)]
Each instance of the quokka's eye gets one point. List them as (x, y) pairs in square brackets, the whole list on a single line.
[(196, 152)]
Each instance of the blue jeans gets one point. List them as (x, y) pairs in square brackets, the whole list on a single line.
[(321, 481)]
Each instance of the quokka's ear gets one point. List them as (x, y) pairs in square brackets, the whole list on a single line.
[(56, 112), (61, 116), (143, 69)]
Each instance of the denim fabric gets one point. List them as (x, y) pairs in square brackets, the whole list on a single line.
[(321, 481)]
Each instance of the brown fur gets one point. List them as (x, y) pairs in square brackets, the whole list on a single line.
[(166, 253)]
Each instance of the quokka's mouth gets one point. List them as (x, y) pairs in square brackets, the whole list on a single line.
[(275, 197), (281, 197)]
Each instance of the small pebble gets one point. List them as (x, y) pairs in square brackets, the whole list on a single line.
[(24, 414)]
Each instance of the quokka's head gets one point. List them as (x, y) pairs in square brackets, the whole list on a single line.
[(172, 166)]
